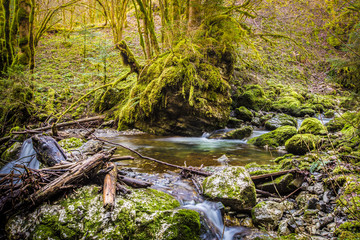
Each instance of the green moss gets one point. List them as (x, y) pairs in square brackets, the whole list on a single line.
[(302, 143), (312, 126), (329, 113), (71, 143), (11, 153), (254, 98), (348, 230), (244, 114), (274, 138), (145, 214)]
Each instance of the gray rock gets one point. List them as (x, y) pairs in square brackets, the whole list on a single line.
[(317, 188), (303, 199), (283, 228), (267, 214), (233, 187)]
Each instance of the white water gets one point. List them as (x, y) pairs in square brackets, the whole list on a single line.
[(27, 158), (211, 216)]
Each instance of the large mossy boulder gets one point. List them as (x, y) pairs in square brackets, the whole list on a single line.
[(233, 187), (274, 138), (312, 126), (280, 120), (302, 143), (294, 106), (180, 93), (244, 114), (145, 214)]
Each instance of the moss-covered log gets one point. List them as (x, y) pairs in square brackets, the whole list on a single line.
[(128, 57)]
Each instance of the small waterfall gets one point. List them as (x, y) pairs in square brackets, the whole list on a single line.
[(212, 221), (27, 157)]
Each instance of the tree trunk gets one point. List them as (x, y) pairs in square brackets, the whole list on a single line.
[(194, 14), (24, 27), (109, 190)]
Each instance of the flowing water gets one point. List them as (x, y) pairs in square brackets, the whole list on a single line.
[(190, 151)]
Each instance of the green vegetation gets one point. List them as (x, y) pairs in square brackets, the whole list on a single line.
[(274, 138)]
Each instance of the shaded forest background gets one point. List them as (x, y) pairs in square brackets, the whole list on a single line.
[(54, 52)]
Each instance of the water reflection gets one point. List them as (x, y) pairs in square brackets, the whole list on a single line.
[(190, 151)]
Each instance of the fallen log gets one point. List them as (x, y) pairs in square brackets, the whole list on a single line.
[(80, 171), (65, 124), (133, 182), (109, 190)]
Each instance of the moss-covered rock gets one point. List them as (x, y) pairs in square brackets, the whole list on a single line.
[(179, 93), (145, 214), (294, 106), (348, 118), (274, 138), (71, 143), (312, 126), (301, 143), (244, 114), (108, 98), (239, 133), (12, 153), (280, 120), (329, 113), (233, 187)]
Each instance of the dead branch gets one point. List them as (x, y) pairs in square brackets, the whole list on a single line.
[(269, 175), (133, 182), (266, 193)]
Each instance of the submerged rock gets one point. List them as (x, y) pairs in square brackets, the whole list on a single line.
[(233, 187), (312, 126), (145, 214), (280, 120), (274, 138)]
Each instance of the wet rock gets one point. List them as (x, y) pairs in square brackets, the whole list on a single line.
[(267, 214), (301, 143), (87, 149), (71, 143), (48, 151), (312, 126), (247, 222), (145, 214), (233, 187), (280, 120)]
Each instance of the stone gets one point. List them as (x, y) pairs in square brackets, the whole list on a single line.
[(247, 222), (312, 126), (238, 133), (303, 199), (233, 187), (145, 214), (267, 214), (317, 188), (244, 114), (301, 143), (274, 138), (280, 120), (283, 229)]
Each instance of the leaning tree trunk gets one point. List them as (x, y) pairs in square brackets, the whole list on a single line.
[(194, 14)]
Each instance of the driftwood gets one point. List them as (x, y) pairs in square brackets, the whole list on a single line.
[(65, 124), (109, 190), (40, 185)]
